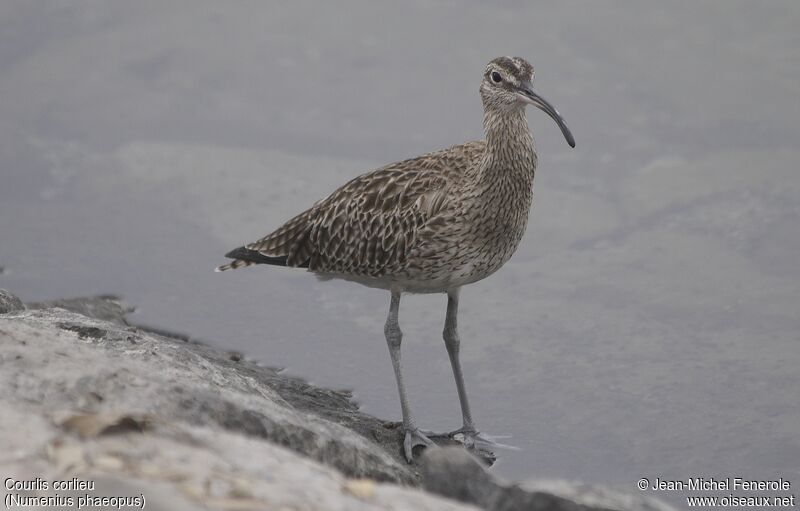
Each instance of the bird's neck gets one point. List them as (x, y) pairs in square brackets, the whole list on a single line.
[(509, 144)]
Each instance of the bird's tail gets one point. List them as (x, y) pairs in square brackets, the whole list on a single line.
[(287, 246)]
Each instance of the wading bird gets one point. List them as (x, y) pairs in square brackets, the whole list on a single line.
[(429, 224)]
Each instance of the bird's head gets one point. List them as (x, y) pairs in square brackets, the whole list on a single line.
[(507, 85)]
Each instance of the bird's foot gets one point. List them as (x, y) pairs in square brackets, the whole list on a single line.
[(415, 437), (480, 441), (473, 439)]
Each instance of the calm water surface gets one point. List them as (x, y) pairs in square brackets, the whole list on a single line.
[(647, 326)]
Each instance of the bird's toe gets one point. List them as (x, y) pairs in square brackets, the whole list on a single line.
[(414, 438), (472, 439)]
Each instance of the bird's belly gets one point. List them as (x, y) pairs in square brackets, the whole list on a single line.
[(463, 260)]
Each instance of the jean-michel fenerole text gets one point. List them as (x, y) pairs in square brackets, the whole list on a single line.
[(722, 484)]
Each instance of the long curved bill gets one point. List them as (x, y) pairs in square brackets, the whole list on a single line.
[(528, 95)]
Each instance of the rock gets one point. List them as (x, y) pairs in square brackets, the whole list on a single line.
[(191, 427), (105, 307), (62, 360), (336, 406), (9, 302), (454, 473), (176, 465), (181, 422)]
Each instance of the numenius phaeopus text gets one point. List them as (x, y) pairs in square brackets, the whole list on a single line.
[(429, 224)]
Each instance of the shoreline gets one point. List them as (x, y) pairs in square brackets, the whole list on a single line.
[(122, 405)]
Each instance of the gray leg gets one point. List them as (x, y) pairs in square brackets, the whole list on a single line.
[(394, 338), (452, 342), (467, 435)]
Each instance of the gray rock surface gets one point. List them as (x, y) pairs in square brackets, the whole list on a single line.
[(61, 360), (105, 307), (454, 473), (328, 404), (9, 302), (190, 427), (180, 423)]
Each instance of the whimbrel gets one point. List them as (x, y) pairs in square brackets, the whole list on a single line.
[(430, 224)]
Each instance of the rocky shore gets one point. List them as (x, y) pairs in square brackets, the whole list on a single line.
[(159, 419)]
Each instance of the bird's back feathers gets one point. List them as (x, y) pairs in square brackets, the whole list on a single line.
[(369, 225)]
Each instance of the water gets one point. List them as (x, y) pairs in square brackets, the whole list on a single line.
[(647, 326)]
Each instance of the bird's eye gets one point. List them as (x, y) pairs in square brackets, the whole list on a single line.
[(496, 78)]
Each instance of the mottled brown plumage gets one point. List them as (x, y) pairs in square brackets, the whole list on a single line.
[(428, 224)]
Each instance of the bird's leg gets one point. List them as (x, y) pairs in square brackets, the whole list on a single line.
[(467, 434), (394, 337), (452, 342)]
